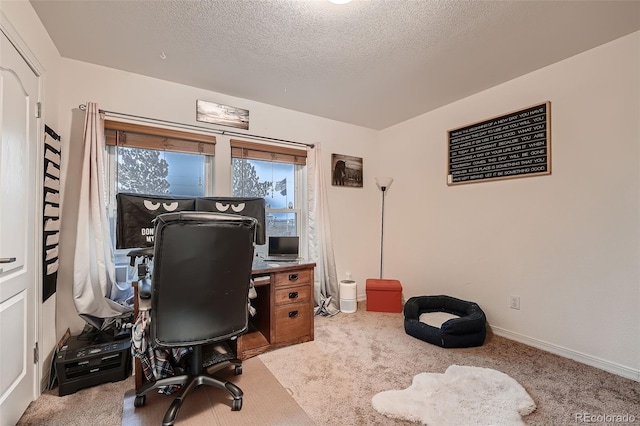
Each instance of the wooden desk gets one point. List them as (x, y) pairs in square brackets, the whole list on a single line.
[(284, 310), (284, 307)]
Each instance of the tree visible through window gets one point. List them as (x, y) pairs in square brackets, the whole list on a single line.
[(246, 182), (154, 172), (142, 171), (275, 182)]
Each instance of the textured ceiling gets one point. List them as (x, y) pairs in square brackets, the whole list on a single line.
[(370, 63)]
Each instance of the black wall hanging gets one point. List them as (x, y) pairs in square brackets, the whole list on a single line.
[(51, 212)]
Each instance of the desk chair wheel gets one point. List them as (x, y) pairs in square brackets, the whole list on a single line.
[(236, 405), (139, 401), (238, 370)]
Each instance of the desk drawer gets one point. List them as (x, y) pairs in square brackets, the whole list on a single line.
[(298, 294), (302, 276), (292, 321)]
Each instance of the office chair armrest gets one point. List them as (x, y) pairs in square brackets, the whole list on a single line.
[(144, 294)]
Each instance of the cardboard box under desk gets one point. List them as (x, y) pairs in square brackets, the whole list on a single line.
[(384, 295)]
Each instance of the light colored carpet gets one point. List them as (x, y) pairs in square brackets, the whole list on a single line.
[(355, 356), (463, 395), (96, 406)]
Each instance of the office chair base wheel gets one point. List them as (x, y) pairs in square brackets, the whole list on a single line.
[(139, 401), (238, 370), (236, 405)]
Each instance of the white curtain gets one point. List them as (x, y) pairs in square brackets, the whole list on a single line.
[(320, 243), (93, 276)]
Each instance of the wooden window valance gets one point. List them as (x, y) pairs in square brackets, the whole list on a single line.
[(265, 152), (131, 135)]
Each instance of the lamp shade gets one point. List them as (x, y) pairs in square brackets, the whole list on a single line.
[(384, 182)]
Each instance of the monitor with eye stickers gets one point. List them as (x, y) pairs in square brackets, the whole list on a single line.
[(135, 215), (136, 212), (244, 206)]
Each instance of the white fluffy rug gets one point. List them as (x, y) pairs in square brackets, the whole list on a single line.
[(461, 396)]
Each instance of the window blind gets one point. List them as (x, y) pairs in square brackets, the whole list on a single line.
[(266, 152), (131, 135)]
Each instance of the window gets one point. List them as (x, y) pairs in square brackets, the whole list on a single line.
[(151, 160), (155, 161), (278, 175), (154, 172)]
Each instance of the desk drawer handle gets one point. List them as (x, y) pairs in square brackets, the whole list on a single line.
[(293, 295), (293, 277), (293, 314), (7, 259)]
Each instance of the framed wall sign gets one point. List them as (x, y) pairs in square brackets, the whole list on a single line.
[(513, 145)]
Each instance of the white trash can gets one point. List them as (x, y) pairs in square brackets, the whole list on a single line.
[(348, 298)]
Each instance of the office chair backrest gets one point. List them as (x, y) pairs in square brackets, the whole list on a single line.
[(200, 279)]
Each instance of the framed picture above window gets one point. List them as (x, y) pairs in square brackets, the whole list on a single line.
[(346, 171), (224, 115)]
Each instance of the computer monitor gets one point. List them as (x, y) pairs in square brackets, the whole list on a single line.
[(136, 212), (246, 206), (284, 247)]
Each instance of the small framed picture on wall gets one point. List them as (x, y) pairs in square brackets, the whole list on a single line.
[(224, 115), (346, 171)]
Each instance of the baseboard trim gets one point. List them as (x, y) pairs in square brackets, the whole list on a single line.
[(596, 362)]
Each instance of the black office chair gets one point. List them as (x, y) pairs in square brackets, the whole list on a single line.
[(198, 295)]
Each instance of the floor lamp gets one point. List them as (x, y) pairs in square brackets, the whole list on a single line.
[(383, 183)]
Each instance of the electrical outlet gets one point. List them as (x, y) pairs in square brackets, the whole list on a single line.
[(514, 302)]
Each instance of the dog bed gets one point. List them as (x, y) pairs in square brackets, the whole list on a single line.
[(465, 328)]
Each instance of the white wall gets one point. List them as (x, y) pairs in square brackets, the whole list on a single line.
[(353, 226), (27, 26), (566, 243)]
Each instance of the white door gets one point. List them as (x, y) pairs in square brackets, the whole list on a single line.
[(18, 128)]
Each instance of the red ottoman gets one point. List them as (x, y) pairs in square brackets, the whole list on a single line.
[(384, 295)]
